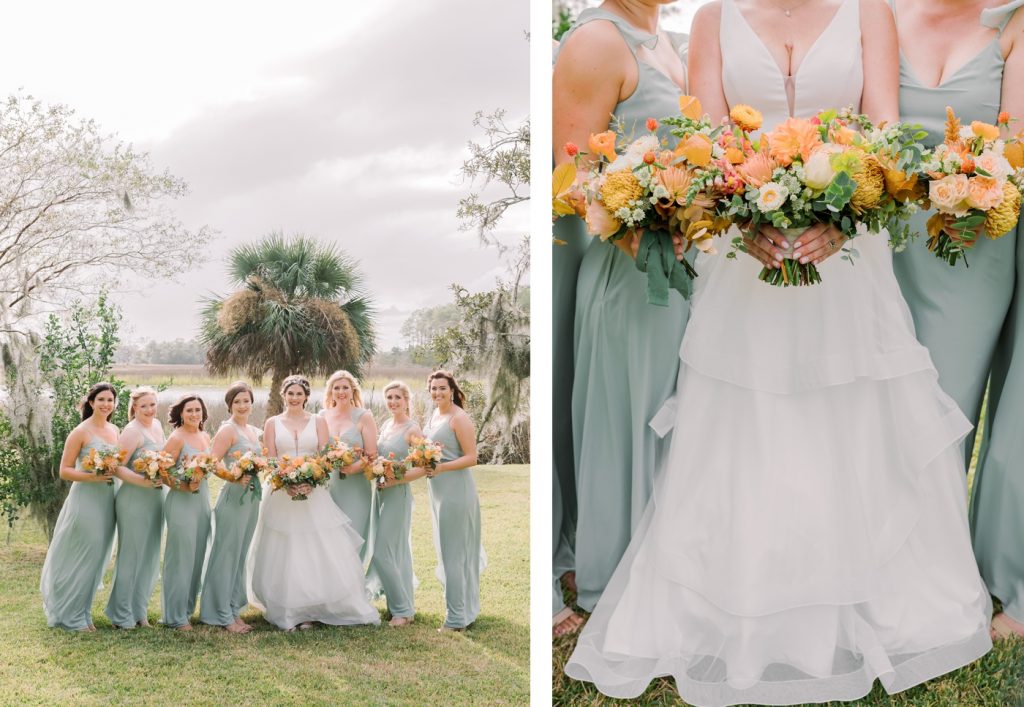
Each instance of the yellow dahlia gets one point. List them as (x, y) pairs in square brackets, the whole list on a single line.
[(1004, 217), (870, 184), (746, 117), (619, 189)]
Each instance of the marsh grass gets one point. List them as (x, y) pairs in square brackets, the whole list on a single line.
[(489, 663)]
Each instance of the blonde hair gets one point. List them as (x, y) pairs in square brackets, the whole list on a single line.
[(139, 392), (399, 385), (357, 392)]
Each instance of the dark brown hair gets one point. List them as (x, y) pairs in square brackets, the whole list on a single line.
[(86, 403), (298, 380), (174, 415), (458, 397), (236, 388)]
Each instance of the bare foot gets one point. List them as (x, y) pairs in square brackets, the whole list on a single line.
[(184, 627), (243, 626), (1005, 627), (400, 621), (306, 625), (565, 622), (569, 580), (144, 624), (235, 628)]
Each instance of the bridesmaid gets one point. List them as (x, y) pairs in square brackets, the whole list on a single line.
[(235, 516), (84, 532), (614, 61), (454, 501), (392, 551), (187, 515), (960, 312), (348, 419), (138, 507)]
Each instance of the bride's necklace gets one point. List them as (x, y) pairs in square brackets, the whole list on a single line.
[(788, 11)]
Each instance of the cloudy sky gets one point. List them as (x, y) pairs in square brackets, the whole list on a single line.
[(343, 120)]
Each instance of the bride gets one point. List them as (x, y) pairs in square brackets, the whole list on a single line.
[(304, 562), (808, 533)]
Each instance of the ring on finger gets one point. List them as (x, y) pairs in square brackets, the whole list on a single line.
[(832, 244)]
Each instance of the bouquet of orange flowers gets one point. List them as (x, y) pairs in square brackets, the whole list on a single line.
[(974, 183), (381, 470), (104, 459), (423, 453), (193, 470), (645, 194), (295, 471), (337, 455), (254, 465), (835, 168), (153, 464)]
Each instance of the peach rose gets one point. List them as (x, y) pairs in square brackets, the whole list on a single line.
[(984, 193), (600, 222), (603, 144), (949, 194), (993, 163)]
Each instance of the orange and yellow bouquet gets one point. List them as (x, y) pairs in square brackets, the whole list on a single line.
[(187, 475), (337, 455), (254, 466), (423, 453), (648, 193), (974, 183), (382, 470), (288, 471), (835, 168), (104, 459), (153, 465)]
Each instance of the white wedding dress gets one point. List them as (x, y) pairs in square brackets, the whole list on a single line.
[(304, 559), (808, 533)]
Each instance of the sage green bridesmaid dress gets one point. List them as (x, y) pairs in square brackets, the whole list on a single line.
[(997, 504), (140, 523), (625, 365), (78, 552), (391, 565), (455, 510), (958, 311), (234, 521), (353, 494), (188, 529)]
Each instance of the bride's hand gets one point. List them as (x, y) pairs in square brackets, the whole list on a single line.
[(767, 245), (818, 243)]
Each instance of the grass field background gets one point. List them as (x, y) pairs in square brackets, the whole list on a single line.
[(488, 663)]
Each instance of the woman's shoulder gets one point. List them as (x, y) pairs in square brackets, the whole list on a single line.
[(599, 39)]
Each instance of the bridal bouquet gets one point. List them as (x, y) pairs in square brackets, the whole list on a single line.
[(104, 459), (807, 171), (423, 453), (641, 193), (337, 455), (974, 183), (153, 464), (295, 471), (381, 470), (254, 465)]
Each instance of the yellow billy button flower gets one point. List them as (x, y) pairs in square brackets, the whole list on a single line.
[(619, 189)]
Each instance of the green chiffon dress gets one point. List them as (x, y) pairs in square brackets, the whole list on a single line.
[(79, 551), (391, 565), (455, 510), (140, 524), (234, 521), (626, 360), (353, 494), (187, 516)]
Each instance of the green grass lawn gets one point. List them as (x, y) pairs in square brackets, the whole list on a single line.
[(997, 680), (488, 663)]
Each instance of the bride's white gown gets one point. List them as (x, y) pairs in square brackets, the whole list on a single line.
[(809, 531), (304, 559)]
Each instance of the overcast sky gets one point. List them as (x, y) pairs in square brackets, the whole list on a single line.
[(344, 120)]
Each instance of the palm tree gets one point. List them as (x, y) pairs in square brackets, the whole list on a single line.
[(300, 309)]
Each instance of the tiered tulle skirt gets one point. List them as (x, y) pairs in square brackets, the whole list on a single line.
[(304, 563), (809, 532)]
